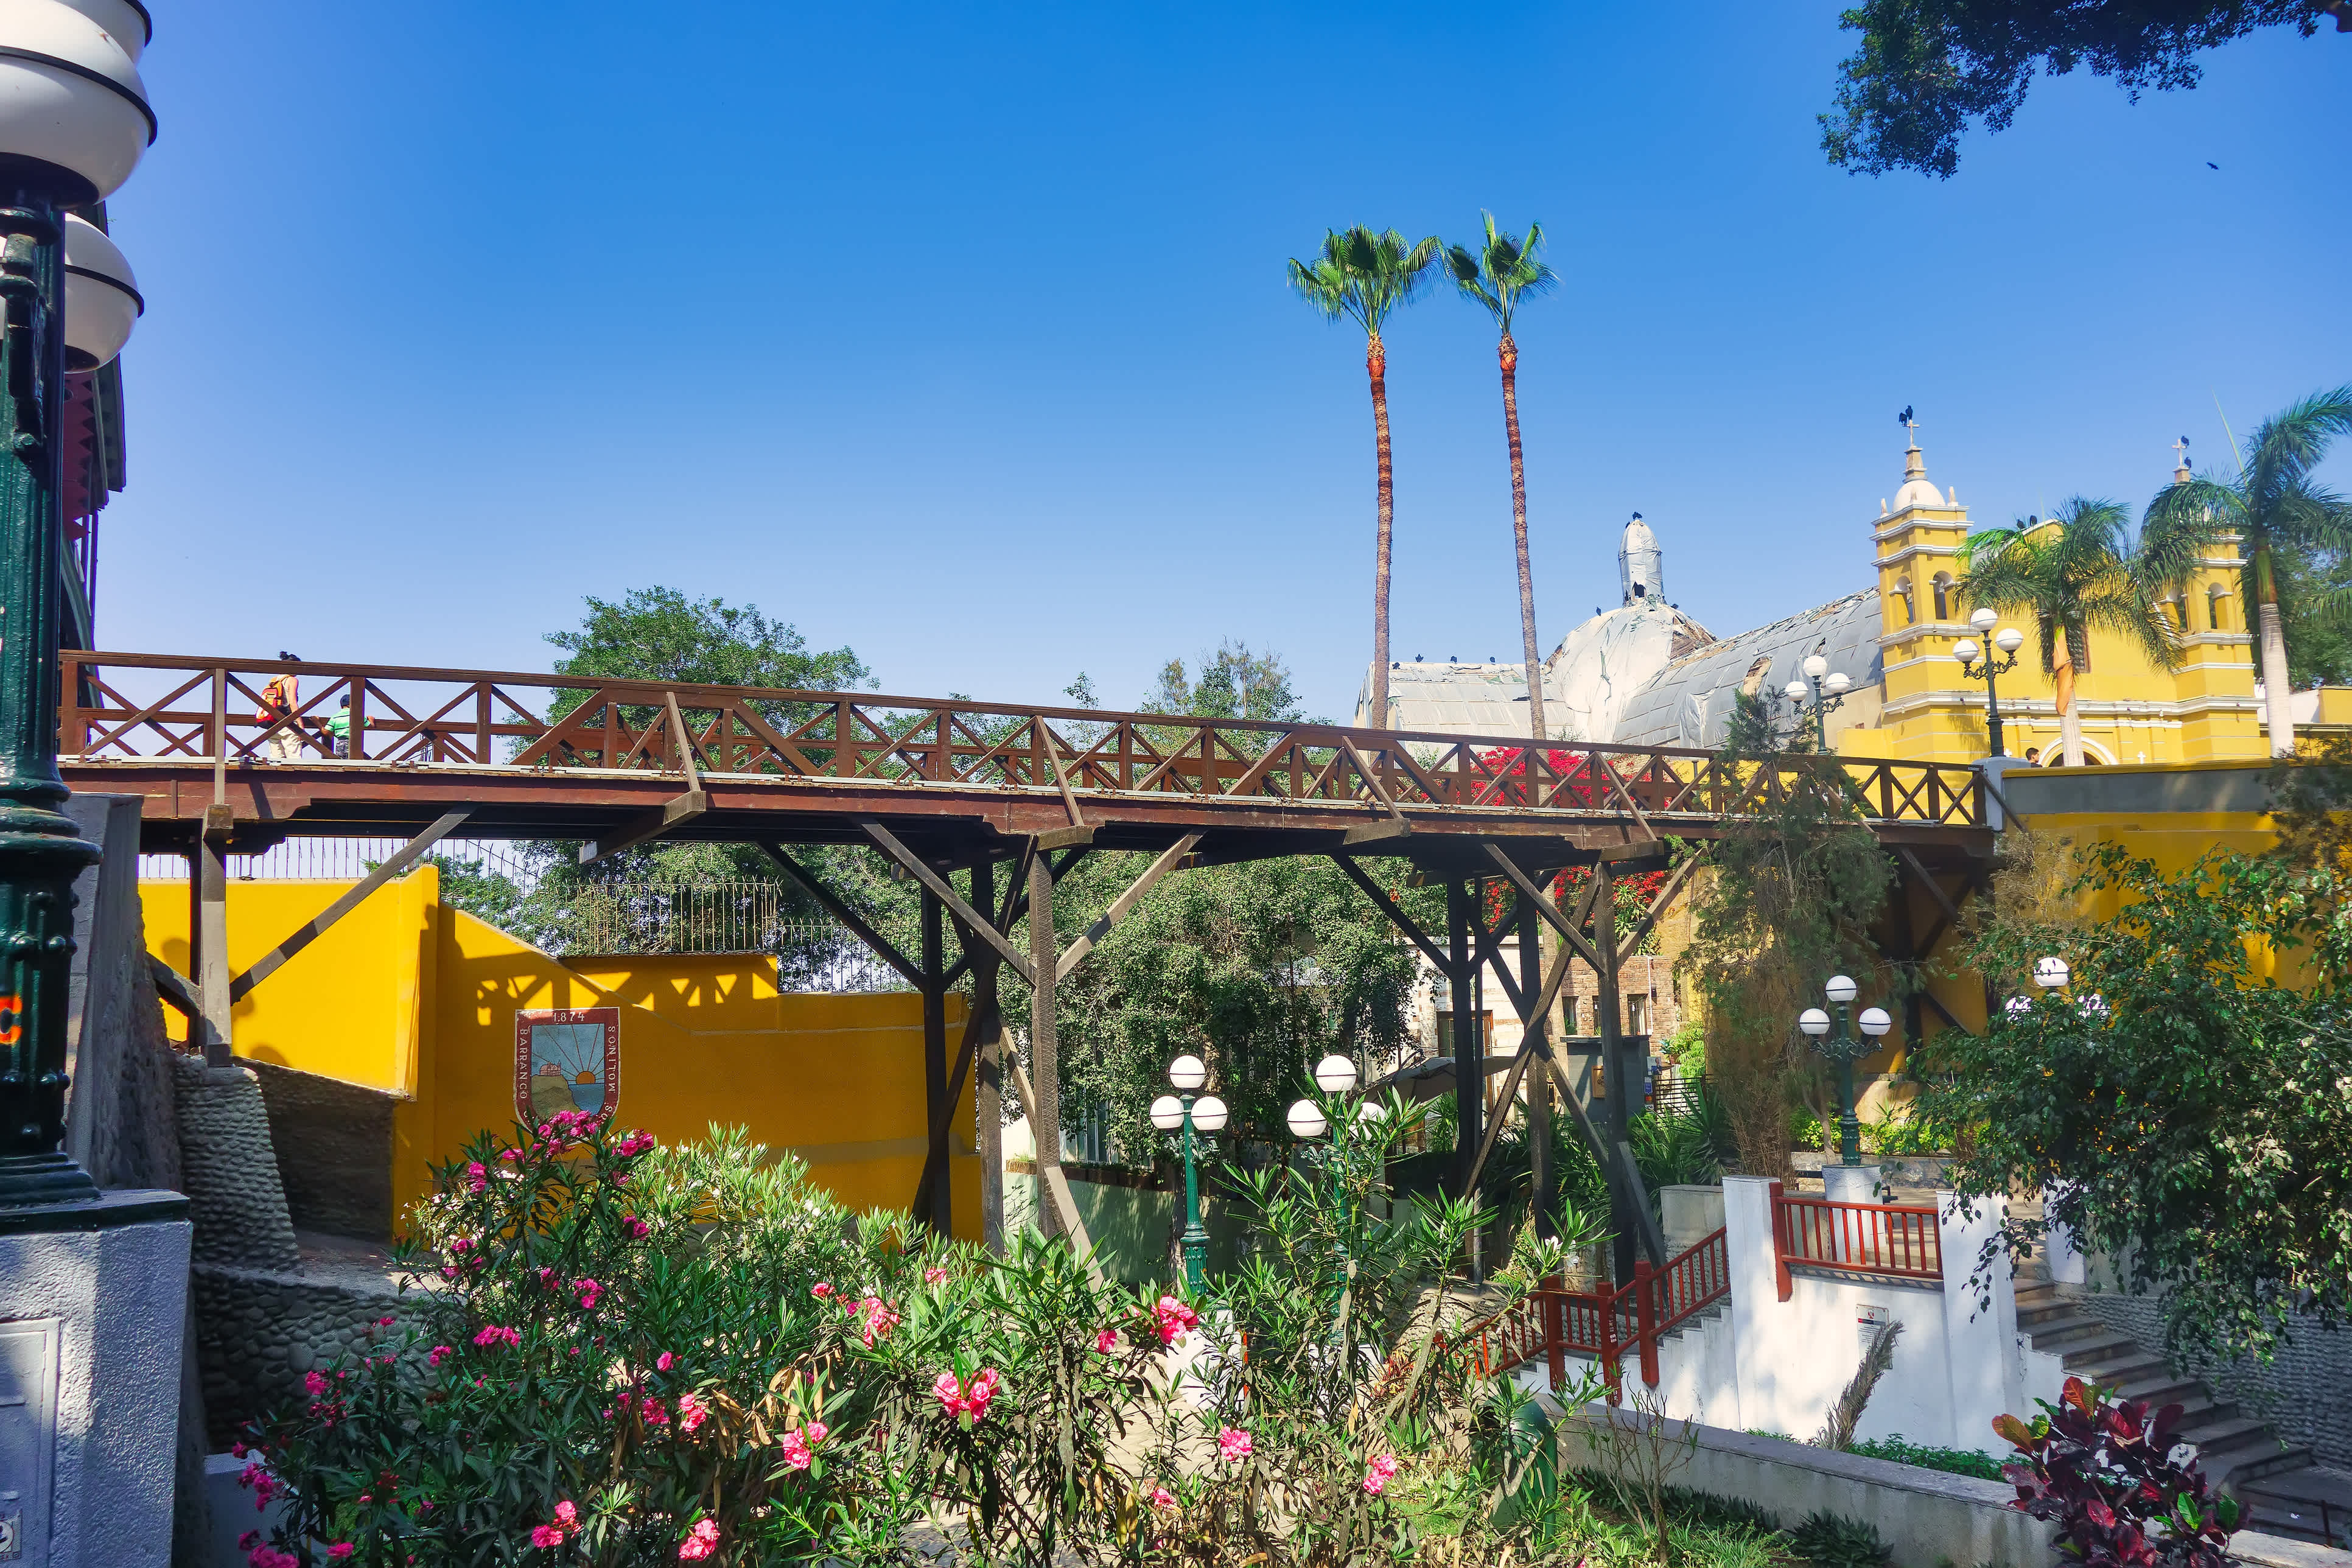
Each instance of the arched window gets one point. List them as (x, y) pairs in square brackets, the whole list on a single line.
[(1943, 597), (1903, 596), (2213, 597)]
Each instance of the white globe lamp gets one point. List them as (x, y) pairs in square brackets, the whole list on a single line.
[(1794, 692), (1966, 650), (1209, 1114), (1306, 1120), (1188, 1072), (1814, 1022), (1841, 989), (1167, 1113), (1371, 1111), (74, 117), (1984, 619), (1874, 1021), (1815, 667), (1335, 1074), (125, 21), (2051, 972), (1837, 684), (102, 302), (2008, 639)]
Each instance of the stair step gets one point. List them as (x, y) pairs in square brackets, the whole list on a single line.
[(2223, 1434), (2033, 1315), (2250, 1463), (2163, 1388), (2107, 1349), (2069, 1329)]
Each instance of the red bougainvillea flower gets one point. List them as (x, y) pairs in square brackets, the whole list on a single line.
[(966, 1399), (316, 1383), (639, 1229), (875, 1319), (478, 1175), (588, 1290), (435, 1356), (1232, 1445), (700, 1542)]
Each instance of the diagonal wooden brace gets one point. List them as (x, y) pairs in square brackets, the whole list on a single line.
[(1168, 859), (978, 924), (270, 962)]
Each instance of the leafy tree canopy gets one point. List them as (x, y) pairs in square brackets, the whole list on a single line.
[(2181, 1111), (1233, 683), (1924, 70)]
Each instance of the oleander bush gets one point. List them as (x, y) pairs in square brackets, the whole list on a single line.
[(620, 1355)]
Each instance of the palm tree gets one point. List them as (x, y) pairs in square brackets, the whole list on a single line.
[(2272, 504), (1363, 277), (2074, 573), (1498, 274)]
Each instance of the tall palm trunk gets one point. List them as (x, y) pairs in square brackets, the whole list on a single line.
[(1376, 366), (1508, 351), (2270, 637), (2069, 717)]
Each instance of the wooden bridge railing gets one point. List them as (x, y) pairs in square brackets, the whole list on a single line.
[(1603, 1324), (213, 709)]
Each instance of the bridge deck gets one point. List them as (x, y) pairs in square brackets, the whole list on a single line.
[(547, 756)]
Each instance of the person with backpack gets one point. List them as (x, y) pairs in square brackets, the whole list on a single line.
[(278, 700)]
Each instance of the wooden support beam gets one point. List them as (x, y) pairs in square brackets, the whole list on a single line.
[(1569, 929), (647, 825), (1618, 1172), (270, 962), (1531, 1045), (1372, 785), (1167, 861), (208, 963), (176, 989), (985, 1028), (1397, 917), (1674, 885), (1058, 1186), (883, 948), (937, 1105), (1951, 910), (939, 885)]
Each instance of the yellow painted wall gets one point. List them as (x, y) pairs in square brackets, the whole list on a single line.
[(408, 995)]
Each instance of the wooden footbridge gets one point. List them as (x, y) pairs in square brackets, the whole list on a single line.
[(942, 787)]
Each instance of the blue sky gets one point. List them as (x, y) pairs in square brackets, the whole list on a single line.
[(959, 333)]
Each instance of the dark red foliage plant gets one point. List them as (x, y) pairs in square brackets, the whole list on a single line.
[(2103, 1471)]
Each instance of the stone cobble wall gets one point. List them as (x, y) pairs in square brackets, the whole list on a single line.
[(260, 1330), (2305, 1393), (229, 1170), (334, 1151)]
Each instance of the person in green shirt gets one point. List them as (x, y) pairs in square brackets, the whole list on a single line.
[(339, 730)]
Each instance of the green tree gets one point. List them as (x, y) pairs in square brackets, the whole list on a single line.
[(1364, 278), (2318, 638), (1925, 69), (2274, 506), (2074, 573), (1498, 274), (2183, 1113), (1796, 884), (1233, 683)]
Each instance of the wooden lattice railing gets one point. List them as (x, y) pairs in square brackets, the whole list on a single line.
[(1901, 1240), (212, 710), (1604, 1322)]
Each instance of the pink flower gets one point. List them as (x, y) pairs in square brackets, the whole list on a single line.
[(655, 1414), (815, 1431), (944, 1388), (691, 1412), (433, 1358), (935, 1276), (701, 1540), (478, 1175), (262, 1557), (566, 1515), (875, 1320), (1105, 1340), (495, 1335), (546, 1535), (639, 1229), (339, 1552), (1173, 1317), (1162, 1498), (1232, 1445), (982, 1390), (510, 1154), (383, 1323), (663, 1361), (796, 1451), (589, 1291), (248, 1541), (315, 1383), (1378, 1472), (820, 1289)]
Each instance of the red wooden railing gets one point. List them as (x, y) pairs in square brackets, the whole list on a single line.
[(1605, 1322), (1898, 1239)]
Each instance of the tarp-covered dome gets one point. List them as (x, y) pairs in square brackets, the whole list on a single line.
[(1599, 667), (1688, 703)]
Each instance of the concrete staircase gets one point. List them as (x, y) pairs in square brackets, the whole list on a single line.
[(2237, 1451)]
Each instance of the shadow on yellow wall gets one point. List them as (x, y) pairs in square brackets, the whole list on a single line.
[(408, 996)]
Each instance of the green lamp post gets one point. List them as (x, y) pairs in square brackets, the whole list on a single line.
[(74, 121), (1977, 663), (1827, 688), (1844, 1047), (1170, 1113)]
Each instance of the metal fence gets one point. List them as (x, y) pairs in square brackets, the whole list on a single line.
[(348, 859)]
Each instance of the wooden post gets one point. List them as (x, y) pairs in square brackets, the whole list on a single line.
[(1532, 1032), (1555, 1322), (1782, 1277), (1609, 1346), (1044, 1053), (987, 1090), (1606, 1004), (1469, 1068), (208, 860), (933, 963), (1645, 1320)]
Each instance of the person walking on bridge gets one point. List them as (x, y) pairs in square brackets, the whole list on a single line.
[(278, 700)]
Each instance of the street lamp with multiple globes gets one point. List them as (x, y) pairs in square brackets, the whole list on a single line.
[(1827, 688), (1976, 664), (1844, 1048), (74, 123), (1206, 1114)]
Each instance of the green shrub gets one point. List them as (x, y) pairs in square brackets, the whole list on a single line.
[(1833, 1541), (1951, 1461)]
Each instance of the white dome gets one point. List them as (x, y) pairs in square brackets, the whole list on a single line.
[(73, 112), (125, 21), (1916, 492), (1638, 537)]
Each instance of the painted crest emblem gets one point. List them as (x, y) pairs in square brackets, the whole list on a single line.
[(567, 1059)]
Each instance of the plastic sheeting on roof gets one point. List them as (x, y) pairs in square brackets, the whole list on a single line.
[(1688, 703), (1454, 699), (1600, 666)]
